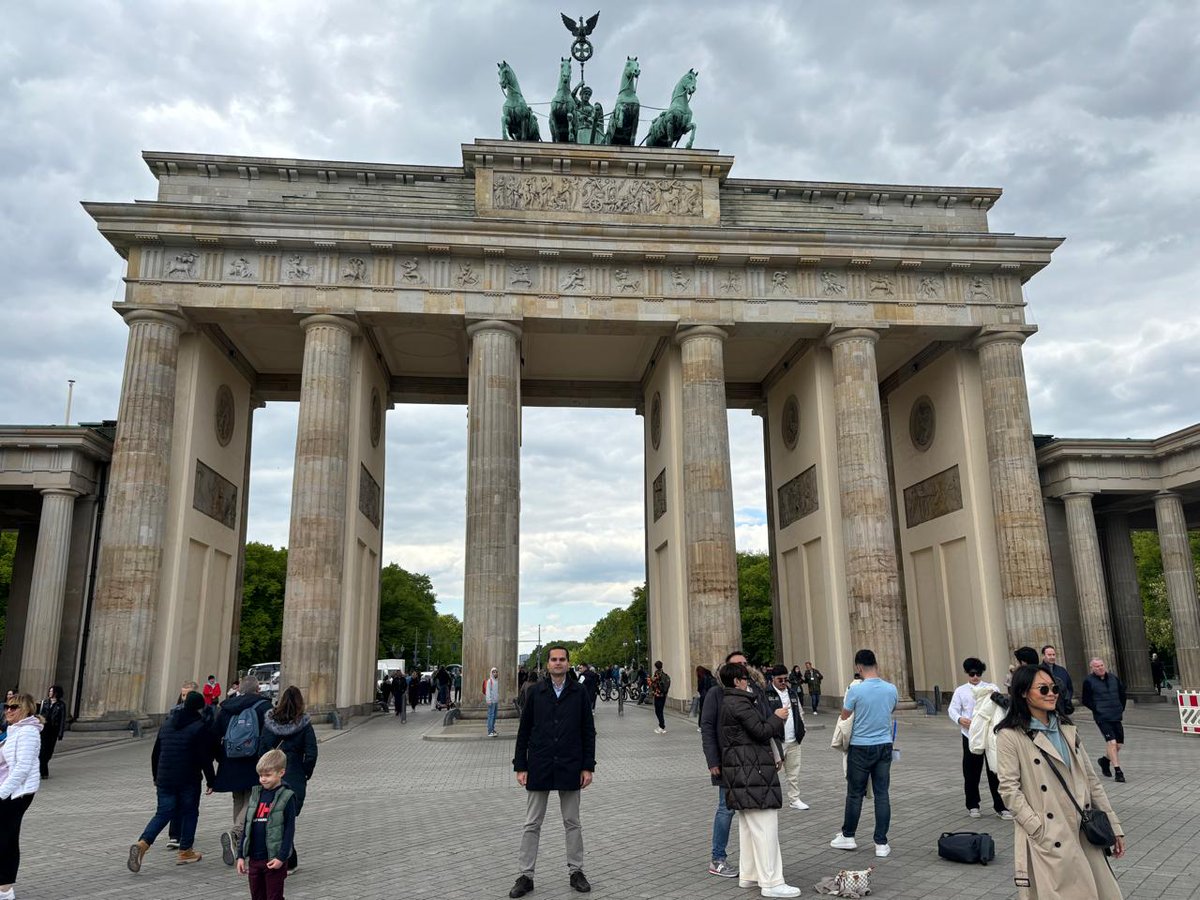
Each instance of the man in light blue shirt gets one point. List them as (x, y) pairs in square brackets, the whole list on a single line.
[(871, 702)]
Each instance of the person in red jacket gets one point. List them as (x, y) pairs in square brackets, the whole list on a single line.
[(212, 691)]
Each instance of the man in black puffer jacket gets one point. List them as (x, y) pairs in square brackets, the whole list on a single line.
[(1104, 695), (183, 751)]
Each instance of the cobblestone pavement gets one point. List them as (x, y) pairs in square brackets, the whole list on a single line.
[(392, 816)]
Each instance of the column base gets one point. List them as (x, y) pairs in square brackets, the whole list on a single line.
[(123, 722), (1141, 697), (473, 713)]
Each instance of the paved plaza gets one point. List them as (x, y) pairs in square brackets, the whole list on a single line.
[(390, 815)]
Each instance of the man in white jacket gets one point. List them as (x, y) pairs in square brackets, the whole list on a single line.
[(961, 711)]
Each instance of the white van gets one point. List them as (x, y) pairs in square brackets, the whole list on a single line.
[(384, 667)]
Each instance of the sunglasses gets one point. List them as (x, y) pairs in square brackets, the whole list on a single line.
[(1045, 689), (974, 674), (12, 706)]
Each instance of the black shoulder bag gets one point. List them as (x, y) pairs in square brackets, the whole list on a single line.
[(1093, 823)]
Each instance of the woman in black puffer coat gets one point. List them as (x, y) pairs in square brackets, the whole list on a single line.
[(751, 780), (287, 728)]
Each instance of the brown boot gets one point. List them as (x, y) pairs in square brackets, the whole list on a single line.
[(137, 852), (187, 856)]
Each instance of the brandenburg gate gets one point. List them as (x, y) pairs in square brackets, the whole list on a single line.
[(876, 329)]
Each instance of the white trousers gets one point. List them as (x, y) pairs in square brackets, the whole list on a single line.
[(758, 837), (791, 771)]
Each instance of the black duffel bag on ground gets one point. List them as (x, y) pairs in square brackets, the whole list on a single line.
[(967, 847)]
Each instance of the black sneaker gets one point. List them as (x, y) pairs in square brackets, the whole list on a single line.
[(1104, 767), (1119, 776), (523, 886), (579, 882)]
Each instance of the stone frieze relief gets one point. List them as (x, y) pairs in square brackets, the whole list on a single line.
[(597, 194)]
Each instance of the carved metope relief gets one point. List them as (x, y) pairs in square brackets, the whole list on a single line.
[(613, 196), (936, 496), (354, 269), (922, 423), (660, 495), (224, 415), (368, 495), (215, 496), (798, 498), (182, 265)]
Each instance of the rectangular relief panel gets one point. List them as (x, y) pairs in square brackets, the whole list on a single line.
[(660, 495), (368, 495), (937, 495), (799, 497), (215, 496)]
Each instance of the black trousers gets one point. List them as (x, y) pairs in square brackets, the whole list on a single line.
[(12, 811), (659, 703), (972, 766)]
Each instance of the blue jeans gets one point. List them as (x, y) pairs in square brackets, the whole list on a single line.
[(721, 825), (874, 762), (185, 802), (816, 701), (492, 709)]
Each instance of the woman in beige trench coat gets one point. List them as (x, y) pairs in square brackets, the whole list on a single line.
[(1052, 858)]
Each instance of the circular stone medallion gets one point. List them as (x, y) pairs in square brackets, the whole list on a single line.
[(789, 426), (922, 423), (656, 421), (376, 417), (223, 415)]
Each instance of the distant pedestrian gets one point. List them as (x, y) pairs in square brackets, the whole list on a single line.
[(491, 696), (1104, 695), (212, 691), (1157, 672), (442, 679), (54, 712), (400, 695), (238, 729), (556, 751), (1066, 696), (962, 713), (782, 696), (458, 686), (812, 680), (288, 728), (19, 781), (870, 756), (660, 686), (268, 830), (182, 754)]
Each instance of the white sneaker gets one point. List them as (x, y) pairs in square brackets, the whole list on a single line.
[(883, 850), (781, 890), (658, 730), (1006, 814), (841, 842), (742, 882), (973, 812), (798, 804)]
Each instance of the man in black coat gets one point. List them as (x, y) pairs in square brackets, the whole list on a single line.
[(1066, 694), (1104, 695), (239, 775), (556, 751)]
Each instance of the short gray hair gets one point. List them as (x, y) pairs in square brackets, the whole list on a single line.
[(249, 685)]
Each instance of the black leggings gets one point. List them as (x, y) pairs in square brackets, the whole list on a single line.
[(12, 811)]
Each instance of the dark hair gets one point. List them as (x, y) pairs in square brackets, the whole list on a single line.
[(866, 659), (658, 664), (732, 653), (1026, 656), (974, 664), (290, 706), (776, 671), (56, 691), (1049, 647), (731, 672), (554, 647), (1018, 715)]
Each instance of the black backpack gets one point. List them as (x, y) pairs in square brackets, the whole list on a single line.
[(967, 847)]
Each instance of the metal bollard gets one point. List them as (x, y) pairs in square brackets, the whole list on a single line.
[(937, 699)]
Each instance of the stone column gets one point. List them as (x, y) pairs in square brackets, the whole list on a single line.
[(129, 568), (1094, 616), (43, 621), (316, 543), (1180, 577), (868, 534), (492, 564), (1026, 576), (714, 619), (1129, 620)]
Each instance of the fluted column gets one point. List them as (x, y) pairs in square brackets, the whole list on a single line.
[(316, 544), (43, 622), (714, 619), (1094, 616), (868, 533), (492, 565), (1026, 576), (1180, 577), (1129, 619), (129, 568)]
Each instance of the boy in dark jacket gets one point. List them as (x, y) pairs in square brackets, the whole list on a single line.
[(270, 828), (182, 752)]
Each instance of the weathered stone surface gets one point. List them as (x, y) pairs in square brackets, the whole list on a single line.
[(316, 545), (215, 495), (868, 533), (131, 542), (492, 564), (1181, 586), (712, 594), (1089, 579), (43, 622), (798, 497), (932, 497), (1026, 578), (1128, 616)]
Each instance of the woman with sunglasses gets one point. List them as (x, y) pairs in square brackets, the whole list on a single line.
[(20, 777), (1052, 858)]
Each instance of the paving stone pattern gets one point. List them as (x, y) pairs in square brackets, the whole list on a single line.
[(392, 816)]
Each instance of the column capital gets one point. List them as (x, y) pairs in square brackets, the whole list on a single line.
[(325, 319), (998, 334), (837, 335), (1078, 495), (1166, 496), (61, 492), (163, 316), (687, 332), (474, 328)]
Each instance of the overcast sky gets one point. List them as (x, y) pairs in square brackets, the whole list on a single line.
[(1084, 113)]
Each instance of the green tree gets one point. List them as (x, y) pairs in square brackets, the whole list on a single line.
[(1160, 631), (410, 626), (8, 549), (263, 580), (754, 601)]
